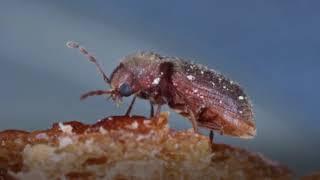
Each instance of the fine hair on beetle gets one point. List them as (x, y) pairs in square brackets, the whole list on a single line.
[(204, 96)]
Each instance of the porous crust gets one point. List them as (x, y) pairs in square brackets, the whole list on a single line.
[(122, 147)]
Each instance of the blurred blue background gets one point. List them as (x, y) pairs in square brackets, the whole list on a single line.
[(270, 47)]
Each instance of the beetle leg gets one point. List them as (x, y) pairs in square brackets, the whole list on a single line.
[(130, 106), (211, 136), (193, 121), (158, 110), (211, 141), (151, 110), (94, 93)]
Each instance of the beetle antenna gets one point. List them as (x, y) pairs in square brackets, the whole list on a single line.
[(90, 57)]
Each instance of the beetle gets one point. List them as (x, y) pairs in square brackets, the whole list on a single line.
[(204, 96)]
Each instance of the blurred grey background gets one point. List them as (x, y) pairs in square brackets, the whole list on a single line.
[(270, 47)]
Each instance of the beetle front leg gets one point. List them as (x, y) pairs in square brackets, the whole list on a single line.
[(94, 93), (130, 106)]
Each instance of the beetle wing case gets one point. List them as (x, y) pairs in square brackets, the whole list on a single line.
[(218, 103)]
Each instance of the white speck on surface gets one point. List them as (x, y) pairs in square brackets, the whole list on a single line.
[(201, 97), (220, 79), (202, 72), (241, 98), (141, 137), (110, 118), (190, 77), (64, 141), (224, 87), (89, 143), (154, 152), (102, 130), (231, 82), (176, 146), (56, 158), (134, 125), (240, 112), (146, 122), (161, 73), (195, 90), (156, 81), (213, 84), (65, 128), (220, 102), (18, 141)]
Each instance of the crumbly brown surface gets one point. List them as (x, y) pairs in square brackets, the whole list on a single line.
[(312, 176), (126, 148)]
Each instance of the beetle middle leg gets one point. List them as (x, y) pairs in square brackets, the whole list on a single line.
[(151, 110), (158, 110), (193, 121)]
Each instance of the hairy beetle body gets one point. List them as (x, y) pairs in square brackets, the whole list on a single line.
[(202, 95), (193, 90)]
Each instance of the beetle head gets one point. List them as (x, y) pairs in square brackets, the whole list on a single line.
[(121, 80), (122, 83)]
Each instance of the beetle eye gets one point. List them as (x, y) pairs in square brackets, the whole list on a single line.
[(125, 89)]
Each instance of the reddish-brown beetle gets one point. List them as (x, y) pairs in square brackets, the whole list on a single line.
[(204, 96)]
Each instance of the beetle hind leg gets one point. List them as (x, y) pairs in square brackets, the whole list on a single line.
[(211, 136)]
